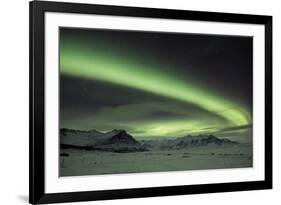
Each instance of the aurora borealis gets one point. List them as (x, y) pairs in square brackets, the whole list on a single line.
[(156, 84)]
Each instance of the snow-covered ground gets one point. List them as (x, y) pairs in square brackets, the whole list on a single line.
[(90, 162)]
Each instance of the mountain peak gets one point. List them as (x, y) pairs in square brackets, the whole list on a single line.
[(114, 141), (121, 136)]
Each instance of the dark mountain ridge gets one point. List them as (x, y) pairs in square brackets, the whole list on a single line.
[(121, 141), (114, 141), (188, 142)]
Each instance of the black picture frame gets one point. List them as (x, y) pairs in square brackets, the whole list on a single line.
[(37, 194)]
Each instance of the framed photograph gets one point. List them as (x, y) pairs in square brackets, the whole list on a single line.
[(139, 102)]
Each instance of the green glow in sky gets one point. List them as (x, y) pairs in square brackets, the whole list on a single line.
[(77, 59)]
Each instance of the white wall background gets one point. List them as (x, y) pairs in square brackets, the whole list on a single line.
[(14, 100)]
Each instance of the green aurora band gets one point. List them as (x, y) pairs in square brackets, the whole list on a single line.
[(79, 59)]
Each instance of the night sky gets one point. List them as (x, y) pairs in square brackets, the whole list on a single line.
[(156, 84)]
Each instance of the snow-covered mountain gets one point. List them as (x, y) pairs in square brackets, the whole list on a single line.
[(121, 141), (115, 140), (187, 142)]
